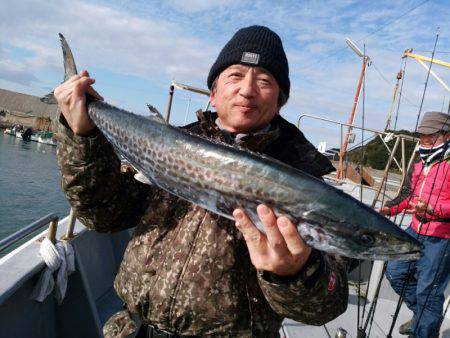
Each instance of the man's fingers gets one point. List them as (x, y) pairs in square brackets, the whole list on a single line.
[(82, 86), (91, 91), (252, 235), (294, 242), (274, 236)]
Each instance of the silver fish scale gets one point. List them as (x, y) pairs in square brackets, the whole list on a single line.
[(180, 160), (221, 178)]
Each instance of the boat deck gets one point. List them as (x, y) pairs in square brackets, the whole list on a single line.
[(91, 299), (348, 320)]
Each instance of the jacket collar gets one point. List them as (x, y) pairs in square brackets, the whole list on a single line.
[(256, 142), (283, 141)]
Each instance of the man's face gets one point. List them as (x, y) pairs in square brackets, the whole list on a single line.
[(433, 140), (246, 98)]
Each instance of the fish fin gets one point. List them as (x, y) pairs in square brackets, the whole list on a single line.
[(49, 98), (139, 176), (69, 63), (155, 114)]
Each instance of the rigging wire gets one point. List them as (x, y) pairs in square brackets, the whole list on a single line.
[(443, 315), (387, 23), (429, 51), (396, 19), (373, 305), (426, 82), (400, 94), (387, 81), (371, 313), (375, 301), (409, 266), (446, 246), (408, 275)]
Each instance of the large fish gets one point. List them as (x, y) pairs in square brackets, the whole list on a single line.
[(221, 178)]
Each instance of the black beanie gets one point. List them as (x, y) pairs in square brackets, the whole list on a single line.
[(254, 46)]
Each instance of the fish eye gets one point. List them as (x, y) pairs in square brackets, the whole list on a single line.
[(366, 239)]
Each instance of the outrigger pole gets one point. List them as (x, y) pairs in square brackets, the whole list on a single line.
[(366, 59), (182, 86), (420, 59)]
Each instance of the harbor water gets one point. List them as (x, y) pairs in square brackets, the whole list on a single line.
[(29, 183)]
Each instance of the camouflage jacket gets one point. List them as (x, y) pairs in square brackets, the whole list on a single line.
[(186, 269)]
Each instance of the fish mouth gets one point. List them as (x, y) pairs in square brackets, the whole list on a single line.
[(404, 256)]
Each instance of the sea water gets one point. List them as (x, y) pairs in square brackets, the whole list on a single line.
[(30, 185)]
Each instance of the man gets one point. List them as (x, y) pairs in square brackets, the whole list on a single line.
[(428, 200), (188, 271)]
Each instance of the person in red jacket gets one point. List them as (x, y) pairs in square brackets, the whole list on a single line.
[(424, 281)]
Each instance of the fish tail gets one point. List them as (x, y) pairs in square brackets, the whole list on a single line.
[(69, 63)]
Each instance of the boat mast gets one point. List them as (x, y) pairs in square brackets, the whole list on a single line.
[(366, 59)]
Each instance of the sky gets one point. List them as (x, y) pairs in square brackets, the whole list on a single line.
[(134, 49)]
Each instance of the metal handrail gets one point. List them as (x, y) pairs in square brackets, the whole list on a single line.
[(406, 137), (399, 137), (20, 234)]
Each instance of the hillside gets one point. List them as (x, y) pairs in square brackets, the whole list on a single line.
[(376, 155)]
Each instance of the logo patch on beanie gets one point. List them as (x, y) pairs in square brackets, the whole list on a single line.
[(248, 57)]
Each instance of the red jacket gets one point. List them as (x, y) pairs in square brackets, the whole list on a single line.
[(431, 184)]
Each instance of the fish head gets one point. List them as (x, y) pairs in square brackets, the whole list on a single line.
[(385, 244), (356, 234)]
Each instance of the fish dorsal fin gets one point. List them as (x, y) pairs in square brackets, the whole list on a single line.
[(155, 114), (69, 63)]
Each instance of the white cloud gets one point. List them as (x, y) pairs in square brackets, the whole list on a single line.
[(194, 6), (149, 42)]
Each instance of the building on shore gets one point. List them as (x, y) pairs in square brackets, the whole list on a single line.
[(27, 110)]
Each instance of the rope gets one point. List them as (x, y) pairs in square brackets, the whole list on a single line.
[(60, 260)]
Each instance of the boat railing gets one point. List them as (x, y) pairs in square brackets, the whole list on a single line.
[(51, 219), (385, 138), (29, 229)]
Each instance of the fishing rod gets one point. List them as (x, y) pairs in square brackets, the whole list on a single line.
[(361, 331), (408, 279), (426, 231), (374, 303), (371, 313), (403, 287), (443, 315), (358, 328)]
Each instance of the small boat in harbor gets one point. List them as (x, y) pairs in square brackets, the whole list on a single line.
[(40, 136)]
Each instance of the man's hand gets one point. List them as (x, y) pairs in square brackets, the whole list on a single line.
[(71, 97), (281, 250)]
